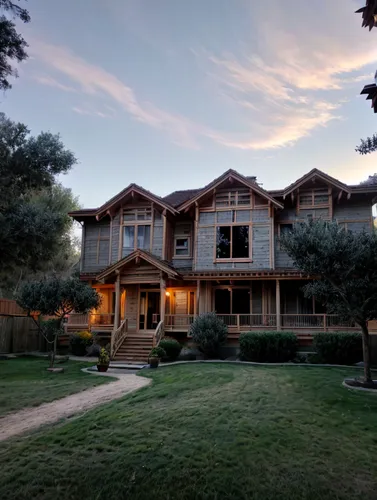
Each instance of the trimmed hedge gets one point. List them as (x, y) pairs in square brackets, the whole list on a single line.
[(268, 347), (172, 348), (343, 348)]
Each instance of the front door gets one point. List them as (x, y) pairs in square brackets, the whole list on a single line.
[(149, 315)]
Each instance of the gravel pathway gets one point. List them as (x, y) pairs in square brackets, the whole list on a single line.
[(48, 413)]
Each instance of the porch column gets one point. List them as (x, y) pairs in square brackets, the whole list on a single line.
[(278, 317), (162, 298), (198, 298), (117, 302)]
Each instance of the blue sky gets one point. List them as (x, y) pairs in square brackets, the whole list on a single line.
[(170, 94)]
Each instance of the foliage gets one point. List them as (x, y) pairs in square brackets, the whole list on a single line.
[(79, 342), (172, 348), (103, 358), (346, 263), (368, 145), (209, 332), (34, 224), (338, 348), (268, 347), (12, 44), (157, 352), (57, 297)]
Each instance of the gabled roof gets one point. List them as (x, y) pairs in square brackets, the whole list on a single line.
[(117, 199), (315, 174), (178, 197), (230, 174), (141, 255)]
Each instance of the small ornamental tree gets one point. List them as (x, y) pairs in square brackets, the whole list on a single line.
[(57, 297), (344, 265)]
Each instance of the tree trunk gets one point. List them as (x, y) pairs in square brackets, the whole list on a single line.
[(366, 353), (53, 352)]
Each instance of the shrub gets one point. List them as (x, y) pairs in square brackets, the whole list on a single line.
[(338, 348), (172, 348), (79, 342), (157, 352), (103, 358), (268, 347), (209, 333)]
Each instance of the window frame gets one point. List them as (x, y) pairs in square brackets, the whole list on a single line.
[(312, 193), (285, 223), (135, 224), (99, 239), (182, 237), (233, 259)]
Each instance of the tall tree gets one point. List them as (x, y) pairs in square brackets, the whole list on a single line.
[(345, 266), (33, 209), (367, 146), (12, 44)]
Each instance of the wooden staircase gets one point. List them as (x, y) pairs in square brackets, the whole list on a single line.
[(135, 348)]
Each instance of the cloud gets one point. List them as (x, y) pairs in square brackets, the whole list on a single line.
[(286, 77), (48, 80), (294, 79), (90, 111), (94, 81)]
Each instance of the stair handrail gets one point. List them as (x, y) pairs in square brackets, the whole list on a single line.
[(118, 337), (158, 334)]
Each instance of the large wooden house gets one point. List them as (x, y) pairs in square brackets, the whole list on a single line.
[(159, 262)]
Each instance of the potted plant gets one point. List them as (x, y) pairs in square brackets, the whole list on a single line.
[(155, 355), (103, 360)]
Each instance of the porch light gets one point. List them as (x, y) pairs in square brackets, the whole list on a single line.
[(167, 294)]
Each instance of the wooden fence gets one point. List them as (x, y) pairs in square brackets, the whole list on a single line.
[(11, 308), (18, 334)]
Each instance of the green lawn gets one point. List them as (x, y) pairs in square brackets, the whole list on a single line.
[(25, 382), (210, 431)]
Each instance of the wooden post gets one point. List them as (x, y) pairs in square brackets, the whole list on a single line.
[(324, 323), (117, 302), (162, 298), (198, 297), (278, 317)]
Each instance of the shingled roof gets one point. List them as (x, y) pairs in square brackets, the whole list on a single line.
[(178, 197)]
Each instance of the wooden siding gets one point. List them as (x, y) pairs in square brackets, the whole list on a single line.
[(157, 241), (354, 214), (132, 306), (260, 239), (115, 239), (96, 246)]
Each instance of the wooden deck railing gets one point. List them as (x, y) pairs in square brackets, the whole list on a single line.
[(102, 319), (158, 334), (118, 337), (245, 321), (317, 321), (178, 321)]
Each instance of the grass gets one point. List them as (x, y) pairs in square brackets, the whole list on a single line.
[(209, 431), (24, 382)]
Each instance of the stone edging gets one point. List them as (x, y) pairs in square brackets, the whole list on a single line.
[(254, 363), (362, 389)]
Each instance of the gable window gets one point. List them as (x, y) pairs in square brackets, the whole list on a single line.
[(233, 197), (136, 234), (182, 240), (232, 242), (314, 198)]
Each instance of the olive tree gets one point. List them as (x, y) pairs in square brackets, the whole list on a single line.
[(344, 265), (57, 297)]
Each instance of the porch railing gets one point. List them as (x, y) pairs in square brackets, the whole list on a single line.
[(158, 334), (178, 321), (245, 321), (102, 319), (317, 321), (118, 337)]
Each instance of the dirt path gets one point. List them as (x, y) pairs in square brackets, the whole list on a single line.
[(48, 413)]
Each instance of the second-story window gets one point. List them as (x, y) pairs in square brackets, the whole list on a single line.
[(232, 242), (182, 240), (136, 233)]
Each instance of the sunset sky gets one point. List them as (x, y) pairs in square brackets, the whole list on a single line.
[(170, 94)]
